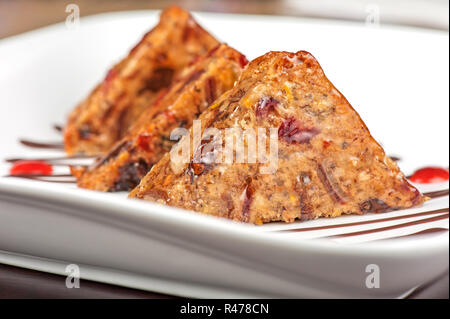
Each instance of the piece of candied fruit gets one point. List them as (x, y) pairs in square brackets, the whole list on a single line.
[(265, 106)]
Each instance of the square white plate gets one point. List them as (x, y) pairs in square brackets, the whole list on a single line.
[(396, 78)]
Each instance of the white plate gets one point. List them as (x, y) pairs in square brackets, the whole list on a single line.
[(397, 78)]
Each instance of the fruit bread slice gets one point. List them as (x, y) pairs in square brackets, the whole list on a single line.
[(133, 84), (149, 138), (327, 164)]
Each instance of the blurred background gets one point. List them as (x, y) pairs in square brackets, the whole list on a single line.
[(17, 16)]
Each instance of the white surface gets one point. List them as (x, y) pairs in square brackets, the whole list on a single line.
[(396, 78)]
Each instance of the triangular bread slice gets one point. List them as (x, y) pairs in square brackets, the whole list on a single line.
[(134, 83), (327, 162), (149, 137)]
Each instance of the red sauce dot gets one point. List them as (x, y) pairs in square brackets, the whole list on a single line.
[(31, 168), (429, 175)]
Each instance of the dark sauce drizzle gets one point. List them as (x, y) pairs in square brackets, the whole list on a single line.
[(431, 212), (437, 194), (34, 144), (55, 178)]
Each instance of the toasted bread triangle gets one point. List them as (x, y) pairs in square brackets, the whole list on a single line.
[(328, 164), (149, 137), (135, 82)]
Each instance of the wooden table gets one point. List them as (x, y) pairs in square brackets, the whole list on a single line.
[(24, 283)]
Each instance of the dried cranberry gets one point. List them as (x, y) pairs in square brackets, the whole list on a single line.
[(265, 106), (143, 141), (291, 131), (374, 205), (210, 90), (243, 60), (326, 144)]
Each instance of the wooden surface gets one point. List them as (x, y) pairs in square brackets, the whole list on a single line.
[(24, 283)]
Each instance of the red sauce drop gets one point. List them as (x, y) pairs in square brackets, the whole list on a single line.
[(31, 168), (429, 175)]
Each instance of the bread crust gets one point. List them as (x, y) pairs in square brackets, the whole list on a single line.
[(134, 83), (328, 162)]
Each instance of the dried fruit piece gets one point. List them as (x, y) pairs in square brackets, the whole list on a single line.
[(291, 131), (265, 106), (374, 205)]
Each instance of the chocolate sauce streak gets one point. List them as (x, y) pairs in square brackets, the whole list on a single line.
[(376, 230), (431, 212), (57, 178), (50, 160), (437, 194), (39, 175), (34, 144)]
